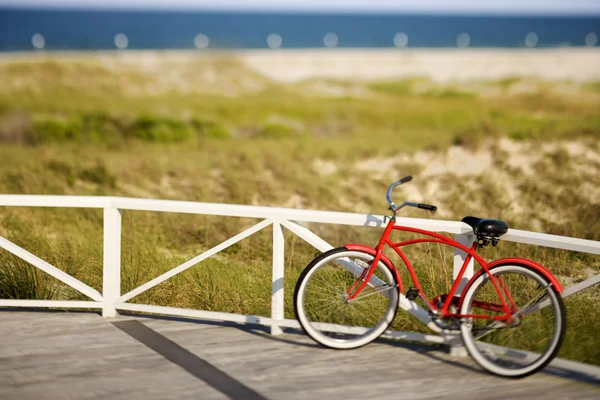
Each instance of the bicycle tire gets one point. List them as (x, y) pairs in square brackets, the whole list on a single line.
[(489, 347), (333, 330)]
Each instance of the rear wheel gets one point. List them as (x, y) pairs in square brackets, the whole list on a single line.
[(321, 305), (524, 345)]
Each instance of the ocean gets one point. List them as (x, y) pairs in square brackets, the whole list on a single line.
[(28, 30)]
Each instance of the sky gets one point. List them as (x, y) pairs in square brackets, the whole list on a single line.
[(560, 7)]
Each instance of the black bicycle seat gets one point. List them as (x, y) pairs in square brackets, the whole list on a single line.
[(486, 227)]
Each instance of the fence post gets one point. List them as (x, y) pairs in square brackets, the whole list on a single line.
[(460, 256), (457, 347), (111, 277), (277, 299)]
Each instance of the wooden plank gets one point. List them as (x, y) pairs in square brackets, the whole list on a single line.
[(80, 355), (196, 366), (59, 355), (293, 366)]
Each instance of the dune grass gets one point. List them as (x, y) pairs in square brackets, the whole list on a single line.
[(81, 128)]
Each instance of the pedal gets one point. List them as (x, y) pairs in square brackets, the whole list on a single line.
[(412, 294)]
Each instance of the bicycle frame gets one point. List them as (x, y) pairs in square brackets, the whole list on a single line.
[(507, 304)]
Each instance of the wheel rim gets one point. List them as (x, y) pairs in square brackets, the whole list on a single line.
[(527, 343), (326, 315)]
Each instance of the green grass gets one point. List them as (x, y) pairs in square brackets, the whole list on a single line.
[(78, 128)]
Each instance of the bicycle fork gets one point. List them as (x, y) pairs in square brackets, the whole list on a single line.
[(364, 278)]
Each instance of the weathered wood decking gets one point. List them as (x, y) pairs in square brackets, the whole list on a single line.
[(64, 355)]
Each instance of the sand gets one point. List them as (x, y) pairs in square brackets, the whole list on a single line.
[(293, 65), (441, 65)]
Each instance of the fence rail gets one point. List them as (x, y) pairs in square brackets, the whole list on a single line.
[(111, 299)]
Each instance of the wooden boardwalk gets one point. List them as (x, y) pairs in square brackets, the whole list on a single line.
[(78, 355)]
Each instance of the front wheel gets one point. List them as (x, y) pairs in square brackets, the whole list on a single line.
[(529, 340), (320, 299)]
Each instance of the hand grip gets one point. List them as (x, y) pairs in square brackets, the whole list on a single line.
[(400, 182), (427, 207)]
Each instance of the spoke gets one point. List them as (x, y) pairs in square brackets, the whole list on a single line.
[(329, 289), (374, 291), (510, 334), (355, 268), (318, 316), (315, 301), (525, 311), (493, 327), (322, 282), (339, 279), (323, 291), (334, 311)]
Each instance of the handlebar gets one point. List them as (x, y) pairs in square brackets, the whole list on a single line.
[(395, 208), (393, 185)]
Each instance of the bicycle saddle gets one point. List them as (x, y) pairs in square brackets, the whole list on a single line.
[(486, 227)]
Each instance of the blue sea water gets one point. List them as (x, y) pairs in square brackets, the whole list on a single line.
[(96, 30)]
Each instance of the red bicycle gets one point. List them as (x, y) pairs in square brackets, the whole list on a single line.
[(510, 314)]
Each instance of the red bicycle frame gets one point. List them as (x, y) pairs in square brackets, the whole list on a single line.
[(507, 305)]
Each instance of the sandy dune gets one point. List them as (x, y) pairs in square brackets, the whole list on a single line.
[(442, 65)]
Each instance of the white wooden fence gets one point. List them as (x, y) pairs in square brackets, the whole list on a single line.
[(111, 299)]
